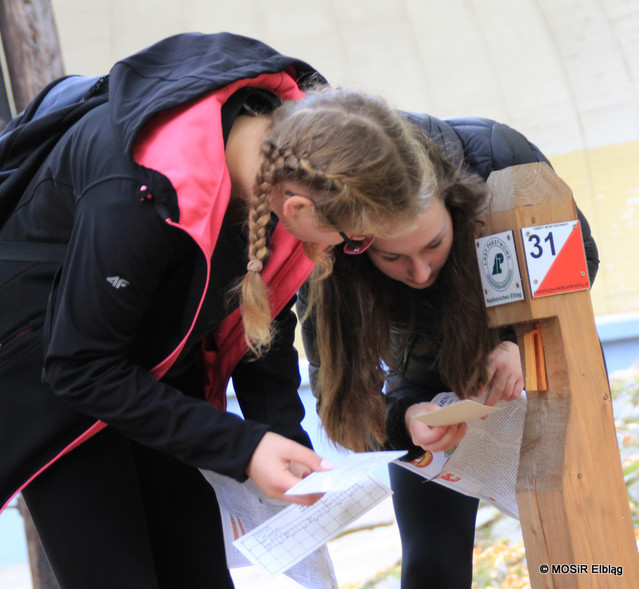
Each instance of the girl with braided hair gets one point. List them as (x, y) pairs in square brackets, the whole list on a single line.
[(195, 202), (336, 159)]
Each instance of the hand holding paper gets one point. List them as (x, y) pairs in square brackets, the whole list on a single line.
[(272, 464), (345, 473), (485, 462)]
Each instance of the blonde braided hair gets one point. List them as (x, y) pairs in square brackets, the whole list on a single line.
[(364, 165)]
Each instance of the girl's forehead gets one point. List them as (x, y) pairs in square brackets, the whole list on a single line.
[(428, 228)]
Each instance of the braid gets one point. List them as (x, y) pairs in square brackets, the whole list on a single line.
[(334, 184), (258, 219), (256, 311)]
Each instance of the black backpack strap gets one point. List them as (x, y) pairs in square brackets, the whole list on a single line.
[(28, 138)]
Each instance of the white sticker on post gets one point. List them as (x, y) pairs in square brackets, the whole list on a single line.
[(555, 258), (499, 269)]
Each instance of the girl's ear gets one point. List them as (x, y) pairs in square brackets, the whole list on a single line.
[(297, 205)]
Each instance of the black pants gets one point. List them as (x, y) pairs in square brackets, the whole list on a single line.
[(437, 530), (113, 514)]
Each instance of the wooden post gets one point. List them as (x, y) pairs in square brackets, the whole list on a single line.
[(572, 499)]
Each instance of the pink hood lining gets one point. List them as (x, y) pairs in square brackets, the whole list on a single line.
[(185, 144)]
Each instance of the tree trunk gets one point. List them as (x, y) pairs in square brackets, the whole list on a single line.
[(31, 48), (41, 573), (29, 59)]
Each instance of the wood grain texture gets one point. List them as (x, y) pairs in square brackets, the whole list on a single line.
[(572, 498), (31, 46)]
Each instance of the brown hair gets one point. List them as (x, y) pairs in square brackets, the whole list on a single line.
[(352, 314), (363, 163)]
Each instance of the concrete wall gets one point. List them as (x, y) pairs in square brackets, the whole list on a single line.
[(564, 73)]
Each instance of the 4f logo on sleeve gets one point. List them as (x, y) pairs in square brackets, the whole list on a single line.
[(117, 282)]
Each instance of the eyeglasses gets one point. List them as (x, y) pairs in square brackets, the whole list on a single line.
[(356, 246)]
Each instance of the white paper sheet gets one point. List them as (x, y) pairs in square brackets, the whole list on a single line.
[(243, 507), (297, 531), (345, 473)]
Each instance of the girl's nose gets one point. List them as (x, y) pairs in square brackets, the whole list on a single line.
[(420, 271)]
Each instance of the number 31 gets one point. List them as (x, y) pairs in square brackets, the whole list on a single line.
[(538, 251)]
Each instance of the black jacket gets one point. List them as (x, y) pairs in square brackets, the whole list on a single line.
[(483, 146), (132, 283)]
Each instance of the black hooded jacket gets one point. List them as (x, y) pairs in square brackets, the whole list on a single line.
[(140, 282)]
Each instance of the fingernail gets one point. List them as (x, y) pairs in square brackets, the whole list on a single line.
[(326, 465)]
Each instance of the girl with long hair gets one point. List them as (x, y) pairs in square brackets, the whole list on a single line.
[(409, 317)]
